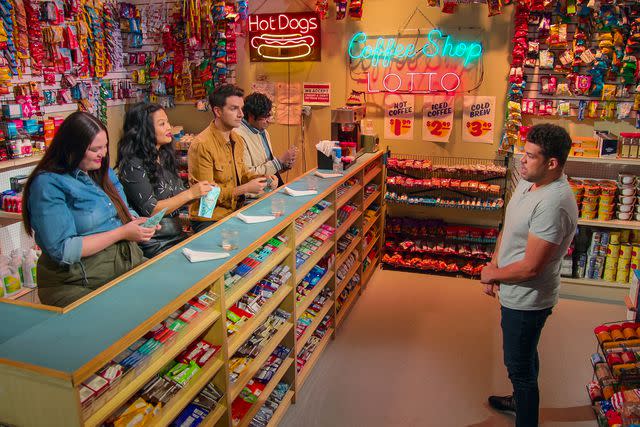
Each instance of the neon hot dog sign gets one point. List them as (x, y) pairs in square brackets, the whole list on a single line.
[(280, 37), (438, 46)]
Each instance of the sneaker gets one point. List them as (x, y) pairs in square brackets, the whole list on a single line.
[(503, 403)]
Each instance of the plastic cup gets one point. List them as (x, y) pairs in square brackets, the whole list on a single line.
[(229, 240), (277, 206)]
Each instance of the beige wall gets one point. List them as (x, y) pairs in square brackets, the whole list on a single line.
[(380, 17)]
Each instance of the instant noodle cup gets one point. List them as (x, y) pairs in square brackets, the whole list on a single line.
[(623, 208), (627, 190), (625, 251), (591, 190), (616, 332), (629, 331), (588, 214), (623, 216), (626, 178), (626, 200), (603, 334), (608, 188)]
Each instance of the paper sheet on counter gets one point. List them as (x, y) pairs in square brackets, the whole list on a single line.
[(198, 256), (298, 193), (253, 219)]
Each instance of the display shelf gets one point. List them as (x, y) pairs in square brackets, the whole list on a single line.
[(308, 367), (614, 223), (611, 161), (314, 259), (10, 217), (186, 395), (372, 174), (594, 282), (314, 325), (309, 229), (439, 254), (306, 302), (369, 224), (370, 199), (258, 361), (371, 245), (264, 394), (347, 305), (236, 340), (21, 162), (353, 217), (156, 362), (366, 273), (278, 415), (348, 195), (19, 294), (213, 418), (342, 257), (249, 281), (345, 281)]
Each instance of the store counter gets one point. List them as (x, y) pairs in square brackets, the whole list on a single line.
[(46, 351)]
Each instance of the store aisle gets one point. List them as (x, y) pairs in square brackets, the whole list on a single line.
[(420, 350)]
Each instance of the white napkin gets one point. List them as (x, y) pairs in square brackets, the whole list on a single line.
[(252, 219), (297, 193), (197, 256), (326, 175)]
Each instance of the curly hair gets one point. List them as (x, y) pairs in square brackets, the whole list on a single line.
[(257, 105), (553, 141), (139, 140)]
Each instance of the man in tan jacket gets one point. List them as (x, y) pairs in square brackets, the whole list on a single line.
[(258, 152), (216, 156)]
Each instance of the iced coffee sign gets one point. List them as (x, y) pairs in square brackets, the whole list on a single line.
[(478, 119), (399, 116)]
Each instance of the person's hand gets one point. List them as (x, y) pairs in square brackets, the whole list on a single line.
[(135, 232), (256, 185), (487, 275), (274, 182), (289, 157), (199, 189), (491, 289)]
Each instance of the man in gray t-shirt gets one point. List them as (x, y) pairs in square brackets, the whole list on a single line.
[(540, 222)]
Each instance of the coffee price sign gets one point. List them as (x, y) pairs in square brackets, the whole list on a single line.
[(437, 118), (399, 116), (478, 119)]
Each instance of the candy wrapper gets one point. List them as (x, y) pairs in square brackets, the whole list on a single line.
[(548, 85), (545, 107), (563, 89), (582, 85), (529, 106), (592, 109), (546, 59), (608, 92), (608, 111), (564, 108), (623, 110)]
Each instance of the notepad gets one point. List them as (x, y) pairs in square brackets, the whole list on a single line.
[(253, 219), (198, 256), (298, 193)]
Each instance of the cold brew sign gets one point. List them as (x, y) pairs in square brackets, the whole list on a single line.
[(282, 37), (478, 119)]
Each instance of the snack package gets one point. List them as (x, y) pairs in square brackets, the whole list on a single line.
[(208, 203)]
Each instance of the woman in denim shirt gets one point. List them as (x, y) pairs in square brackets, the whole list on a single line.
[(76, 210), (148, 172)]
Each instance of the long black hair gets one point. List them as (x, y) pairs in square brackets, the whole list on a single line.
[(64, 155), (139, 140)]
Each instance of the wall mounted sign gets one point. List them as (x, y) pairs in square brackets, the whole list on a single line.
[(437, 118), (282, 37), (399, 116), (316, 94), (478, 119)]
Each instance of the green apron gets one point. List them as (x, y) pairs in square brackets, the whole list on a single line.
[(60, 285)]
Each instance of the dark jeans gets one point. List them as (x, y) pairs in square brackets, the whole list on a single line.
[(520, 334), (198, 226)]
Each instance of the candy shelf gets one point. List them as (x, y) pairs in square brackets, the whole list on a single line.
[(308, 367), (371, 244), (593, 282), (371, 174), (302, 306), (21, 162), (345, 281), (186, 395), (353, 217), (342, 313), (348, 195), (7, 218), (238, 338), (314, 325), (156, 362), (367, 272), (308, 229), (249, 281), (370, 223), (264, 395), (258, 361), (342, 257), (282, 409), (213, 418), (314, 259), (370, 199)]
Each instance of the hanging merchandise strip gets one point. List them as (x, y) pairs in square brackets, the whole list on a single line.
[(187, 48), (573, 60)]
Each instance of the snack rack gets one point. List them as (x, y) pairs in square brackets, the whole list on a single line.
[(464, 192)]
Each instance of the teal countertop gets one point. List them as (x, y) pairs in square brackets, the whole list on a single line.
[(67, 341)]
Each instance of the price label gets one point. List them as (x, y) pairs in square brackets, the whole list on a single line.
[(400, 126), (438, 127), (478, 127)]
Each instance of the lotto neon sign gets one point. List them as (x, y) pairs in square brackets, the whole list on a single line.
[(278, 37), (384, 51)]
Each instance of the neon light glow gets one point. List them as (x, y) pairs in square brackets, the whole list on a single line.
[(435, 82), (385, 51), (284, 37)]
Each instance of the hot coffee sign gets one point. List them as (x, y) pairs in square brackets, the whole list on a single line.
[(282, 37)]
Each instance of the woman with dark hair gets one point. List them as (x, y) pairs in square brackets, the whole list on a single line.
[(74, 206), (147, 169)]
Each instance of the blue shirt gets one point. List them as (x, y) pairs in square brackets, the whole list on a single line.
[(65, 207)]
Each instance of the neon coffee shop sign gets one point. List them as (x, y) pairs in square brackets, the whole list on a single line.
[(383, 52)]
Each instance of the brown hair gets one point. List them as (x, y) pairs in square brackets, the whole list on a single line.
[(64, 155)]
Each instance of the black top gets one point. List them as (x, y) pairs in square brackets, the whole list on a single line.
[(141, 194)]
